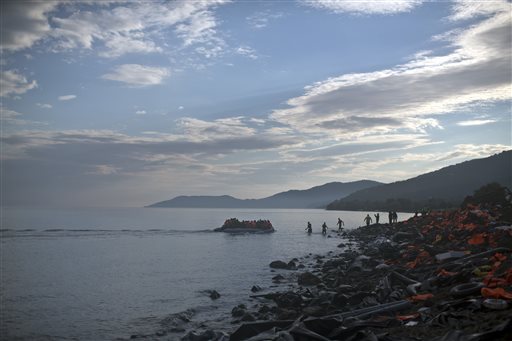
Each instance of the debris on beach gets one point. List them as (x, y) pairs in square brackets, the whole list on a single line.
[(445, 275)]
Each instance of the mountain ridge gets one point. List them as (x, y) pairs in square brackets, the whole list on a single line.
[(442, 188), (314, 197)]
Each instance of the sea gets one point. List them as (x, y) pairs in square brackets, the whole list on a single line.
[(110, 273)]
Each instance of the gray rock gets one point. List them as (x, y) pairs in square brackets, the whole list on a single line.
[(291, 265), (255, 288), (248, 317), (264, 309), (203, 336), (307, 278), (278, 264), (239, 310), (277, 279), (214, 294)]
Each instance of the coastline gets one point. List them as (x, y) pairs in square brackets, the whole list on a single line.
[(432, 276)]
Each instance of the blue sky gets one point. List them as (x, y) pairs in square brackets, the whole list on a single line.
[(127, 103)]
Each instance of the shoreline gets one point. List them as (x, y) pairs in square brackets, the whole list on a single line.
[(431, 276)]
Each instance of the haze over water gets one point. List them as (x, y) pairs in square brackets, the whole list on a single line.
[(105, 273)]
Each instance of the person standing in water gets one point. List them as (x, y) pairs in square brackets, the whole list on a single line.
[(324, 228), (340, 224), (309, 228), (377, 217), (368, 220)]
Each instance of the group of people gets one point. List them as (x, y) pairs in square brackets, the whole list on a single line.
[(235, 223), (340, 223), (393, 218)]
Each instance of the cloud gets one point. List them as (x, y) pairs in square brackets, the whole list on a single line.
[(222, 128), (14, 83), (7, 114), (468, 9), (67, 97), (199, 28), (134, 27), (192, 137), (119, 45), (246, 51), (471, 151), (103, 170), (112, 28), (138, 75), (474, 122), (364, 7), (51, 165), (355, 106), (261, 19), (24, 23), (13, 118), (44, 105), (141, 112)]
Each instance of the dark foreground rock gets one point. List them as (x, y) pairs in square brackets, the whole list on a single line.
[(307, 278)]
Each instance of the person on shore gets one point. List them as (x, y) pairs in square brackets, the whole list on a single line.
[(340, 224), (390, 217), (368, 220), (324, 228), (309, 229), (395, 217), (377, 217)]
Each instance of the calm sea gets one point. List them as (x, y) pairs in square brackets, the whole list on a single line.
[(103, 274)]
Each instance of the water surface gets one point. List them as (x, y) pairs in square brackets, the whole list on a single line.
[(101, 274)]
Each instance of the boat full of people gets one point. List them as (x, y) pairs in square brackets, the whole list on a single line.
[(233, 225)]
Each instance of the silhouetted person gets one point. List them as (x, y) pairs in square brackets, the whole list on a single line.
[(377, 217), (309, 228), (368, 220), (395, 217), (324, 228), (340, 224)]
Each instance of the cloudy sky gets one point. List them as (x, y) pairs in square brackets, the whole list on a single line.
[(128, 103)]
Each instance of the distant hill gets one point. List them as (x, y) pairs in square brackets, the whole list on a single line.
[(315, 197), (446, 187)]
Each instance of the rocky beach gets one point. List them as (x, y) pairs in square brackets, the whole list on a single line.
[(441, 275)]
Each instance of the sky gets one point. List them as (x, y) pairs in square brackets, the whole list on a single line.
[(126, 103)]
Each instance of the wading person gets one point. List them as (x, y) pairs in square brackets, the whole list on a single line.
[(324, 228), (340, 224), (368, 220), (309, 228)]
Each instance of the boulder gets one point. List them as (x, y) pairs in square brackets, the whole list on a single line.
[(307, 278), (278, 264), (277, 279), (288, 300), (239, 310), (248, 317), (213, 294), (255, 288), (291, 265)]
